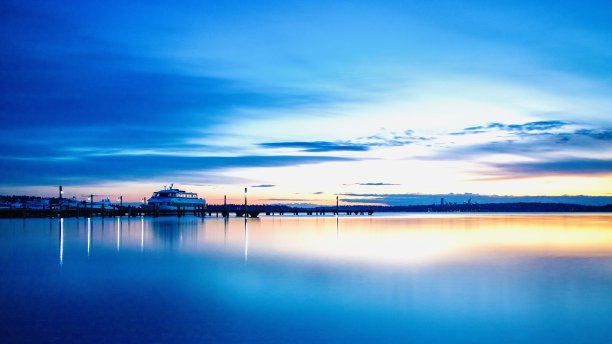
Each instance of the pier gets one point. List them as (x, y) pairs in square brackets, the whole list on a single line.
[(37, 207), (207, 211)]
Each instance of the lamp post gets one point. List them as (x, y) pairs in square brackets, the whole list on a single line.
[(61, 192), (245, 202), (337, 213), (225, 212)]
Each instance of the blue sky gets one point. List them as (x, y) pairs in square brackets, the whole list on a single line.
[(312, 99)]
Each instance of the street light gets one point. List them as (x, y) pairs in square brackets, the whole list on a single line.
[(61, 192), (245, 201)]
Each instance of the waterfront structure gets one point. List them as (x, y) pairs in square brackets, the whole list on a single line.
[(175, 199)]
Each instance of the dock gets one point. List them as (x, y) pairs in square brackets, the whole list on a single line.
[(208, 211), (56, 207)]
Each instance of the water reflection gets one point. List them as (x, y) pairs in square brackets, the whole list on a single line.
[(377, 239), (88, 236), (118, 233), (61, 241), (414, 278), (225, 220), (142, 234), (246, 241)]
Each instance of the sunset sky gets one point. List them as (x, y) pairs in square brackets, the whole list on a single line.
[(381, 102)]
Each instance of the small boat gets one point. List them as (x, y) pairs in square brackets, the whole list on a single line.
[(172, 199)]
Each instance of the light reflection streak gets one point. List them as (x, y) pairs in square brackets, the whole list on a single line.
[(118, 234), (225, 220), (88, 236), (337, 229), (142, 234), (246, 240), (61, 242)]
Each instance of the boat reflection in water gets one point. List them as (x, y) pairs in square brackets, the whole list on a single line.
[(409, 278)]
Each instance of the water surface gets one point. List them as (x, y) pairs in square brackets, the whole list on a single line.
[(387, 278)]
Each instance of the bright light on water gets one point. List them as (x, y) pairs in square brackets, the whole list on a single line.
[(409, 278)]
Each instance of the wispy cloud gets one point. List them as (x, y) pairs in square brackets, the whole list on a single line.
[(574, 166), (525, 127), (317, 146), (116, 168), (386, 139), (597, 134), (263, 186), (541, 140)]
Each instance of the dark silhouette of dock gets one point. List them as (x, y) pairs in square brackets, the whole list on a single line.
[(207, 211), (257, 210)]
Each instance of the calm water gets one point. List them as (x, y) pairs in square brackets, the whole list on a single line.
[(412, 278)]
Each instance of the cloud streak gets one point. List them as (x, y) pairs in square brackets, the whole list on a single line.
[(519, 128), (317, 146), (116, 168), (574, 166)]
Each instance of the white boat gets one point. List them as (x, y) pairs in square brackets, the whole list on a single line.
[(172, 199)]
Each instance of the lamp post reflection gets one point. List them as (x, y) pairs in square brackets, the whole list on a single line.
[(118, 234), (61, 242), (142, 234), (88, 236), (246, 241), (225, 220), (337, 227)]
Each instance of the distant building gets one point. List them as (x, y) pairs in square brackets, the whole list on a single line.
[(39, 204)]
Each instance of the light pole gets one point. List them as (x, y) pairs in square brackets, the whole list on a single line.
[(61, 192), (225, 212), (245, 202), (337, 213)]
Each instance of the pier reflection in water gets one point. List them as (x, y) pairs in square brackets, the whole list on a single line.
[(417, 278)]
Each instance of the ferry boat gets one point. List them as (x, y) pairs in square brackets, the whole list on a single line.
[(172, 199)]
